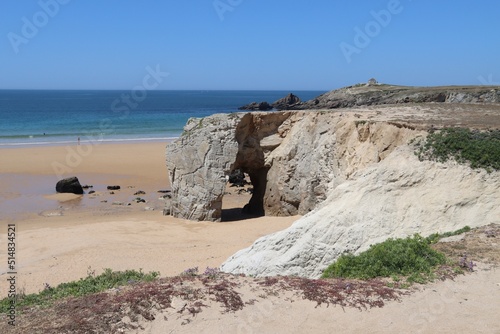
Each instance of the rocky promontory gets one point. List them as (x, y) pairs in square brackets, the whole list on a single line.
[(351, 172), (286, 103), (378, 94), (373, 93)]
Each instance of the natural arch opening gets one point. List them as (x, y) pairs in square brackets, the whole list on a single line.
[(257, 135), (255, 206), (250, 161), (250, 185)]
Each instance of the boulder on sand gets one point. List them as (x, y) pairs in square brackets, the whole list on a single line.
[(69, 185)]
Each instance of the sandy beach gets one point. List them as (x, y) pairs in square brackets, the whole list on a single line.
[(63, 237), (26, 173)]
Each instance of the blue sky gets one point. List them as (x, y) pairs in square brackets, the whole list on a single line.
[(247, 44)]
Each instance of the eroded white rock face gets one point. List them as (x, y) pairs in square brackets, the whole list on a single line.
[(197, 163), (294, 159), (397, 197)]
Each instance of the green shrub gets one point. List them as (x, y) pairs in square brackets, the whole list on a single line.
[(479, 149), (91, 284), (433, 238), (411, 257)]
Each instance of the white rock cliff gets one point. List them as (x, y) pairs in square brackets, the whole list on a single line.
[(397, 197), (354, 169), (293, 159)]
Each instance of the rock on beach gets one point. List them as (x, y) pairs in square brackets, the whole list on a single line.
[(70, 185)]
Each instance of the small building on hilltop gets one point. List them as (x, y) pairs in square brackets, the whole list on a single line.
[(372, 82)]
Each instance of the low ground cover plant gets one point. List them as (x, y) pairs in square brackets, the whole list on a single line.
[(91, 284), (411, 257), (119, 301), (479, 149)]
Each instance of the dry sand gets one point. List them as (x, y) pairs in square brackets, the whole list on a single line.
[(62, 237), (470, 304)]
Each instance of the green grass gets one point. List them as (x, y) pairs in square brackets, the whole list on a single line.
[(411, 257), (91, 284), (433, 238), (476, 148)]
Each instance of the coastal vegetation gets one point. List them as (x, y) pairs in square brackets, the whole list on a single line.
[(144, 297), (89, 285), (411, 257), (479, 149)]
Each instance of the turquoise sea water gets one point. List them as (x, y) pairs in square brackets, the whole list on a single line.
[(39, 117)]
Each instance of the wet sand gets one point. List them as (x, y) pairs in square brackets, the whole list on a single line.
[(60, 237)]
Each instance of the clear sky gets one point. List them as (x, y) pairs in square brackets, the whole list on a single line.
[(247, 44)]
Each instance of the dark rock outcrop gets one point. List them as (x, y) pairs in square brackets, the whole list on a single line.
[(69, 185), (237, 178), (287, 103), (254, 106), (375, 93), (113, 187)]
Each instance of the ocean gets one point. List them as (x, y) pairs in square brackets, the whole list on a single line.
[(53, 117)]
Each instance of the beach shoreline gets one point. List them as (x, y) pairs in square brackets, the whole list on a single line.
[(28, 175), (84, 140), (76, 236), (60, 237)]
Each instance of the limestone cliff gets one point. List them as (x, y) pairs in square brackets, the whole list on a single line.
[(353, 168), (197, 162), (293, 159), (395, 198)]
